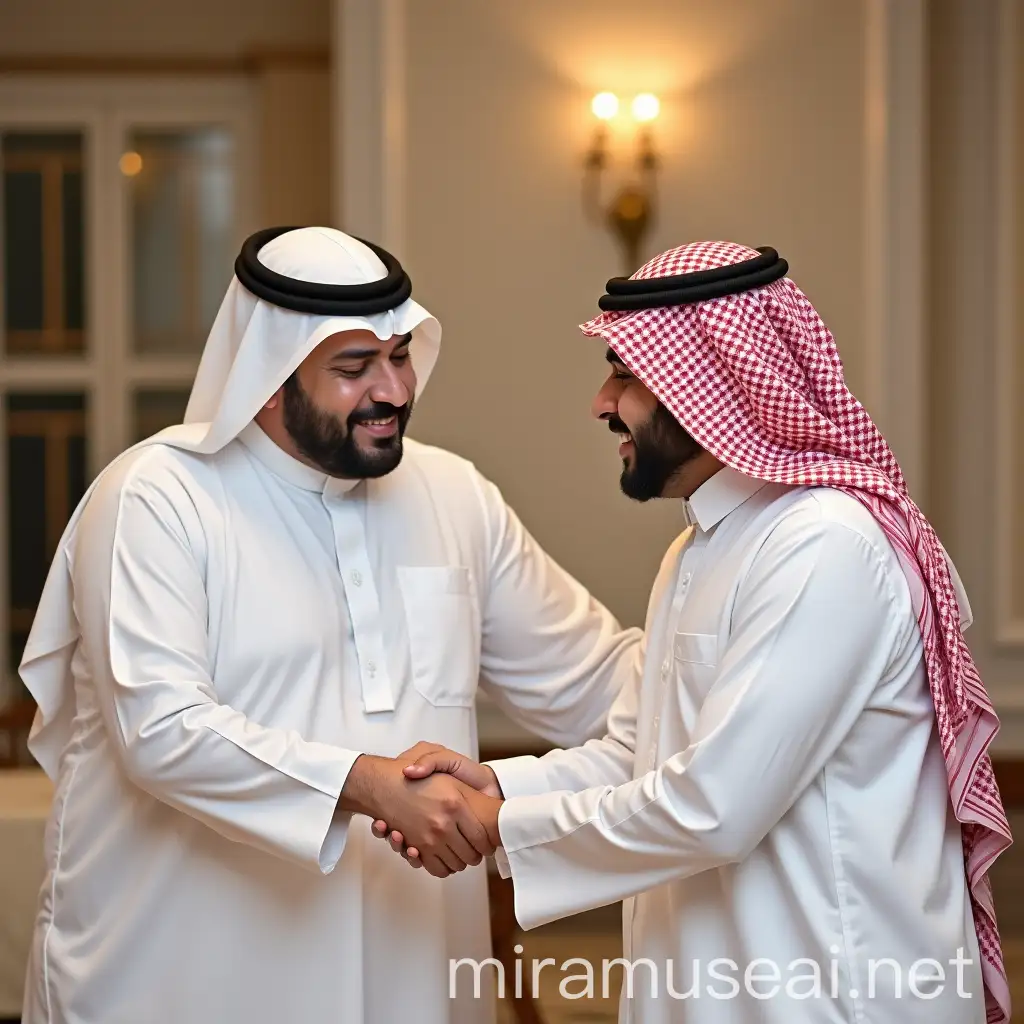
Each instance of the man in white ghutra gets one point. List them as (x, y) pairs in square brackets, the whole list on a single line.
[(250, 617)]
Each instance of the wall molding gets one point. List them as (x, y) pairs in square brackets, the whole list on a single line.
[(895, 210), (369, 119), (1009, 623)]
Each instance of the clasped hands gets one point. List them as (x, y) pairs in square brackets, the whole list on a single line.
[(444, 817)]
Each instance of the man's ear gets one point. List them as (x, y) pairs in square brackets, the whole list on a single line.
[(274, 400)]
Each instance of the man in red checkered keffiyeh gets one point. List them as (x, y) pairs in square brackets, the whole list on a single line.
[(755, 379), (801, 772)]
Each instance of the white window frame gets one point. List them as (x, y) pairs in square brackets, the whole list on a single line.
[(104, 110)]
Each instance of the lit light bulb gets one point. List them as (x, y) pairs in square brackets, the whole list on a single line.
[(646, 107), (605, 105), (130, 164)]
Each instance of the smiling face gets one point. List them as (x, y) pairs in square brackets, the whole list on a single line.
[(345, 409), (659, 458)]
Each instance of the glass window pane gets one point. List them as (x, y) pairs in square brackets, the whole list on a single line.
[(23, 250), (182, 203), (46, 478), (156, 409), (74, 264), (43, 244)]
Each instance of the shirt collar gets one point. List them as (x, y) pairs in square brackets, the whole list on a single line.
[(281, 464), (718, 497)]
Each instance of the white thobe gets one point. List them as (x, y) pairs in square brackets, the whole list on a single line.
[(261, 625), (772, 796)]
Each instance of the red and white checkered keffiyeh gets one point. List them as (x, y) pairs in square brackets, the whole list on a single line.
[(757, 381)]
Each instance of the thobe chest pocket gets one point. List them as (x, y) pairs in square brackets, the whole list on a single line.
[(696, 660), (444, 638)]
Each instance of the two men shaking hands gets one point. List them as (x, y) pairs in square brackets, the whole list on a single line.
[(441, 806)]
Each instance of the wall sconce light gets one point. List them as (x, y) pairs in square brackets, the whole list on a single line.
[(630, 213)]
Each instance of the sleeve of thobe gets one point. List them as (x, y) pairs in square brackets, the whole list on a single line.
[(604, 761), (141, 605), (552, 657), (814, 626), (607, 761)]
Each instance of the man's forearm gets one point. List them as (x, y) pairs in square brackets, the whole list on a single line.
[(365, 787)]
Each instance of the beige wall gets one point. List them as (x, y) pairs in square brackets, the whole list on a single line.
[(762, 139), (761, 136), (295, 171)]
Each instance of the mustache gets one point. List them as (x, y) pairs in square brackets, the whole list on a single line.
[(377, 411), (616, 426)]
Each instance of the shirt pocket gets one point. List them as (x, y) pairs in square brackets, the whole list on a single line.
[(444, 644), (696, 660), (697, 649)]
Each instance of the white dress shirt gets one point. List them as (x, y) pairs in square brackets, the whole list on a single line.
[(258, 627), (772, 795)]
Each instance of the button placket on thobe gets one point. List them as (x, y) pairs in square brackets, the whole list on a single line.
[(693, 552), (361, 593)]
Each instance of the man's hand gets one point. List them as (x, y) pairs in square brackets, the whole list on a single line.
[(425, 759), (435, 812), (485, 808)]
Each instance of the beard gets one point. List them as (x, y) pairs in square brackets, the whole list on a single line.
[(331, 445), (661, 447)]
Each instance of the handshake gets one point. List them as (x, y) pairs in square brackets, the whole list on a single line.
[(437, 808)]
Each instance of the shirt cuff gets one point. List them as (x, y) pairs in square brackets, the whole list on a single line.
[(502, 864), (520, 776), (534, 820), (336, 835), (525, 827)]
